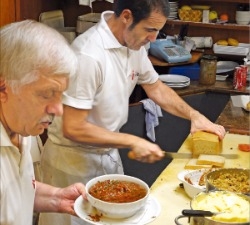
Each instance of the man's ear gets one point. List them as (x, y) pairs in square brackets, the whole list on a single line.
[(127, 17), (3, 90)]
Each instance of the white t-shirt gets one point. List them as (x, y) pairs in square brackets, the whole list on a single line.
[(17, 180), (107, 75)]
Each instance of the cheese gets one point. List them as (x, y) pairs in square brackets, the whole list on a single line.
[(206, 143), (215, 160), (192, 165)]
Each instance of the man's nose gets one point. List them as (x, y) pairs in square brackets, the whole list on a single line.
[(152, 37), (55, 108)]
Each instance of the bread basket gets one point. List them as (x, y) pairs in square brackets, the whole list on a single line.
[(190, 15)]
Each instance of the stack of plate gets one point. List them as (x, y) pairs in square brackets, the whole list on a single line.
[(173, 9), (175, 81)]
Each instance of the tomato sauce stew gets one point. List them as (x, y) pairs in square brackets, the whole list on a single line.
[(116, 191)]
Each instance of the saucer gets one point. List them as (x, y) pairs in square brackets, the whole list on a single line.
[(89, 214)]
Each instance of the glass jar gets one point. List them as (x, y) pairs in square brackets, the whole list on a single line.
[(208, 67)]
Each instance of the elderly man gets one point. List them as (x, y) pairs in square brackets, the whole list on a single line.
[(36, 62)]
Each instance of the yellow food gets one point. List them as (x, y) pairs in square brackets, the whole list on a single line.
[(248, 106), (222, 42), (235, 208), (186, 7), (206, 143), (233, 42), (215, 160), (192, 165), (213, 15)]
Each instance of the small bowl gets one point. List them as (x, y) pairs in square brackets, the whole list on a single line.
[(191, 181), (235, 180), (117, 210)]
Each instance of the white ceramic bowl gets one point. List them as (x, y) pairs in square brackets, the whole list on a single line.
[(190, 180), (117, 210)]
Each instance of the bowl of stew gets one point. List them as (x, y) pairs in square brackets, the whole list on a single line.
[(116, 195)]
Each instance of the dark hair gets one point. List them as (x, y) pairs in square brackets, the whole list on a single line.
[(141, 9)]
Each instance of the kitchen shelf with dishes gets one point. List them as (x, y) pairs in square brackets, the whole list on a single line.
[(229, 26)]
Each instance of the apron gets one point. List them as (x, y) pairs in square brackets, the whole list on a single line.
[(62, 166)]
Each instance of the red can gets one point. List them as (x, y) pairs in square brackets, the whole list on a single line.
[(240, 77)]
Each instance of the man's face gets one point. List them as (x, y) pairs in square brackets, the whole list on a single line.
[(31, 110), (145, 31)]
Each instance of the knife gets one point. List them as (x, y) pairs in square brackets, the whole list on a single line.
[(182, 155)]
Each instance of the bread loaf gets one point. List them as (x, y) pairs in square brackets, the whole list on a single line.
[(192, 165), (206, 143), (215, 160)]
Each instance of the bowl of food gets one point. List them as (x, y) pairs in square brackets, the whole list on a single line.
[(193, 181), (227, 207), (117, 196), (229, 179)]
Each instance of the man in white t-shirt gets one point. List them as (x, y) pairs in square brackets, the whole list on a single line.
[(36, 62), (112, 60)]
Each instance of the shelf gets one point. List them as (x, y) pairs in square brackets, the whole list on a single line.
[(229, 26), (228, 1)]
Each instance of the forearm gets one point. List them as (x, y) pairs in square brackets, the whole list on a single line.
[(47, 198), (169, 101), (91, 134)]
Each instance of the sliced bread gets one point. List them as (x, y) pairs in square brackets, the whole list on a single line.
[(206, 143), (215, 160), (192, 165)]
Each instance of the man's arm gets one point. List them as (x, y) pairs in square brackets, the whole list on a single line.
[(171, 102)]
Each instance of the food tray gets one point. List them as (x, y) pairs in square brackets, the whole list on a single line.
[(241, 49)]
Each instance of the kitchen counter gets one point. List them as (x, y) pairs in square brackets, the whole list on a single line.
[(171, 197)]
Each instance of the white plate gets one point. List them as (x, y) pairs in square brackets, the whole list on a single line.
[(221, 77), (226, 66), (85, 211), (174, 78)]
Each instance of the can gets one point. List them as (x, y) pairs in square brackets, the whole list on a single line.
[(240, 77)]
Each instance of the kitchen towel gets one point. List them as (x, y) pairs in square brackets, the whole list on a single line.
[(153, 111), (89, 2)]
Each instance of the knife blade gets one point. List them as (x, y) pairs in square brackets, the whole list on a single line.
[(183, 155)]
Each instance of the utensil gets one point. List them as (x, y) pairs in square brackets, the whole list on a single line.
[(181, 155), (192, 212)]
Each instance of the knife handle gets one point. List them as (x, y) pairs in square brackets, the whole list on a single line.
[(131, 155)]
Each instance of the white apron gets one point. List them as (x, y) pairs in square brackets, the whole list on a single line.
[(74, 164)]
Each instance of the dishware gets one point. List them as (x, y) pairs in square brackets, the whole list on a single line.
[(225, 66), (217, 208), (191, 181), (117, 209), (89, 214), (229, 179)]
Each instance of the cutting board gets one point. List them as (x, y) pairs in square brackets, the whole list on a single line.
[(167, 191)]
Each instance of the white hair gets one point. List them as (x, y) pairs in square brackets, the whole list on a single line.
[(30, 48)]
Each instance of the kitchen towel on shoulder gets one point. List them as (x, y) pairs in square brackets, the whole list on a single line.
[(153, 111), (89, 2)]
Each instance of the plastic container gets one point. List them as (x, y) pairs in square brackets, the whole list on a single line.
[(208, 69), (192, 71)]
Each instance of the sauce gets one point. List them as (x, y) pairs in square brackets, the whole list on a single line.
[(116, 191)]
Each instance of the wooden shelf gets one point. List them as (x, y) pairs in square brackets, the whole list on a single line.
[(226, 26)]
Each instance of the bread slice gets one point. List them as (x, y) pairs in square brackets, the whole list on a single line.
[(192, 165), (215, 160), (206, 143)]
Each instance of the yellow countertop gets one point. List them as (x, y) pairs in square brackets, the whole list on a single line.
[(171, 197)]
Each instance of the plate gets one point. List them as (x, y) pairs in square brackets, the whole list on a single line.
[(174, 78), (221, 77), (226, 66), (87, 213)]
